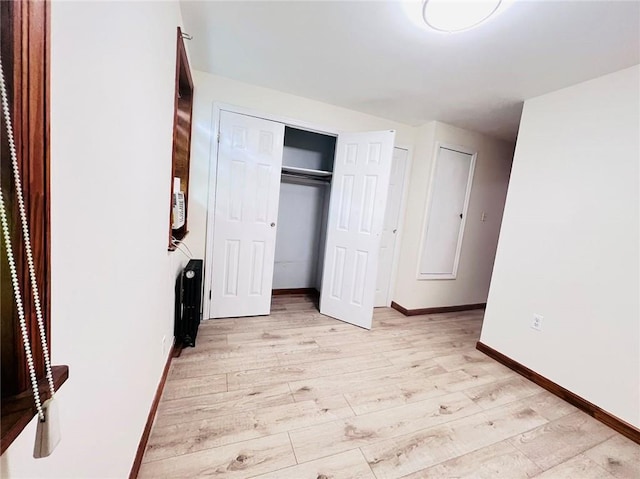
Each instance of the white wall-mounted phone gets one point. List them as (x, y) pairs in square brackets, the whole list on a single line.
[(178, 206)]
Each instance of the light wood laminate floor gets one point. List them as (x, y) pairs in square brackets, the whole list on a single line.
[(298, 395)]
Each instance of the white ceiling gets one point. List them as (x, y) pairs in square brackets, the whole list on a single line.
[(368, 56)]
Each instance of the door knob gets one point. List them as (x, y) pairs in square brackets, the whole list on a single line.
[(273, 225), (460, 215)]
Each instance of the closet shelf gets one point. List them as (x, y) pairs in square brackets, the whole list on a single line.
[(306, 171)]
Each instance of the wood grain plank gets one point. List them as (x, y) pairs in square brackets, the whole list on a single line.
[(362, 335), (187, 437), (451, 362), (204, 344), (217, 327), (394, 458), (181, 388), (619, 456), (500, 460), (318, 369), (347, 340), (339, 351), (578, 467), (196, 368), (396, 393), (239, 460), (501, 392), (205, 353), (224, 354), (350, 464), (550, 406), (208, 406), (561, 439), (364, 401), (350, 382), (422, 350), (338, 436), (461, 326), (498, 370), (272, 332)]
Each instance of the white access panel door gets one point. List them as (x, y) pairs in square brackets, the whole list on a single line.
[(390, 226), (246, 211), (356, 212), (444, 228)]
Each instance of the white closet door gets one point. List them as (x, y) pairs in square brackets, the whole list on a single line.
[(356, 212), (246, 211), (390, 227), (450, 189)]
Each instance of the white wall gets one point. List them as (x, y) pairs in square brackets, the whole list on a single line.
[(488, 192), (300, 216), (569, 245), (112, 88)]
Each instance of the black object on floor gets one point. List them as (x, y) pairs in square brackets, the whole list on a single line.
[(188, 301)]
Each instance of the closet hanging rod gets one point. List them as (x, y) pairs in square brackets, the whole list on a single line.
[(301, 176), (305, 171)]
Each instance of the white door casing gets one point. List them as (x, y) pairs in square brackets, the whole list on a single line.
[(246, 212), (447, 212), (356, 214), (389, 235)]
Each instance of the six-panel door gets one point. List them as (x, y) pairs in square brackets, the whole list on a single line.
[(356, 212), (246, 211)]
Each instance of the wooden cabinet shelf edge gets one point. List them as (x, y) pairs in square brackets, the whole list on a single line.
[(182, 122)]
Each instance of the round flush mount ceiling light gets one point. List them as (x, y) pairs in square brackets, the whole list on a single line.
[(458, 15)]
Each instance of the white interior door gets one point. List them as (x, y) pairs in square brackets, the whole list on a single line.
[(390, 227), (356, 212), (246, 211), (444, 228)]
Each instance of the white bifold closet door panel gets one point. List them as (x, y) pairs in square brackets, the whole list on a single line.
[(246, 211), (390, 228), (356, 212)]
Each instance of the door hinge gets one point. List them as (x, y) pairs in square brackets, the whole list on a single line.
[(209, 294)]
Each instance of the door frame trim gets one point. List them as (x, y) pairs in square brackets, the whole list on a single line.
[(429, 204), (216, 108)]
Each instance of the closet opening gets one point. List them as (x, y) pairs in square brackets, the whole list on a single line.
[(305, 187), (294, 210)]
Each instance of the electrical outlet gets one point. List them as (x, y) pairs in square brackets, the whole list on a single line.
[(536, 322)]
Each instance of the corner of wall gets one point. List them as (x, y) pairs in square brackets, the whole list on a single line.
[(487, 196)]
